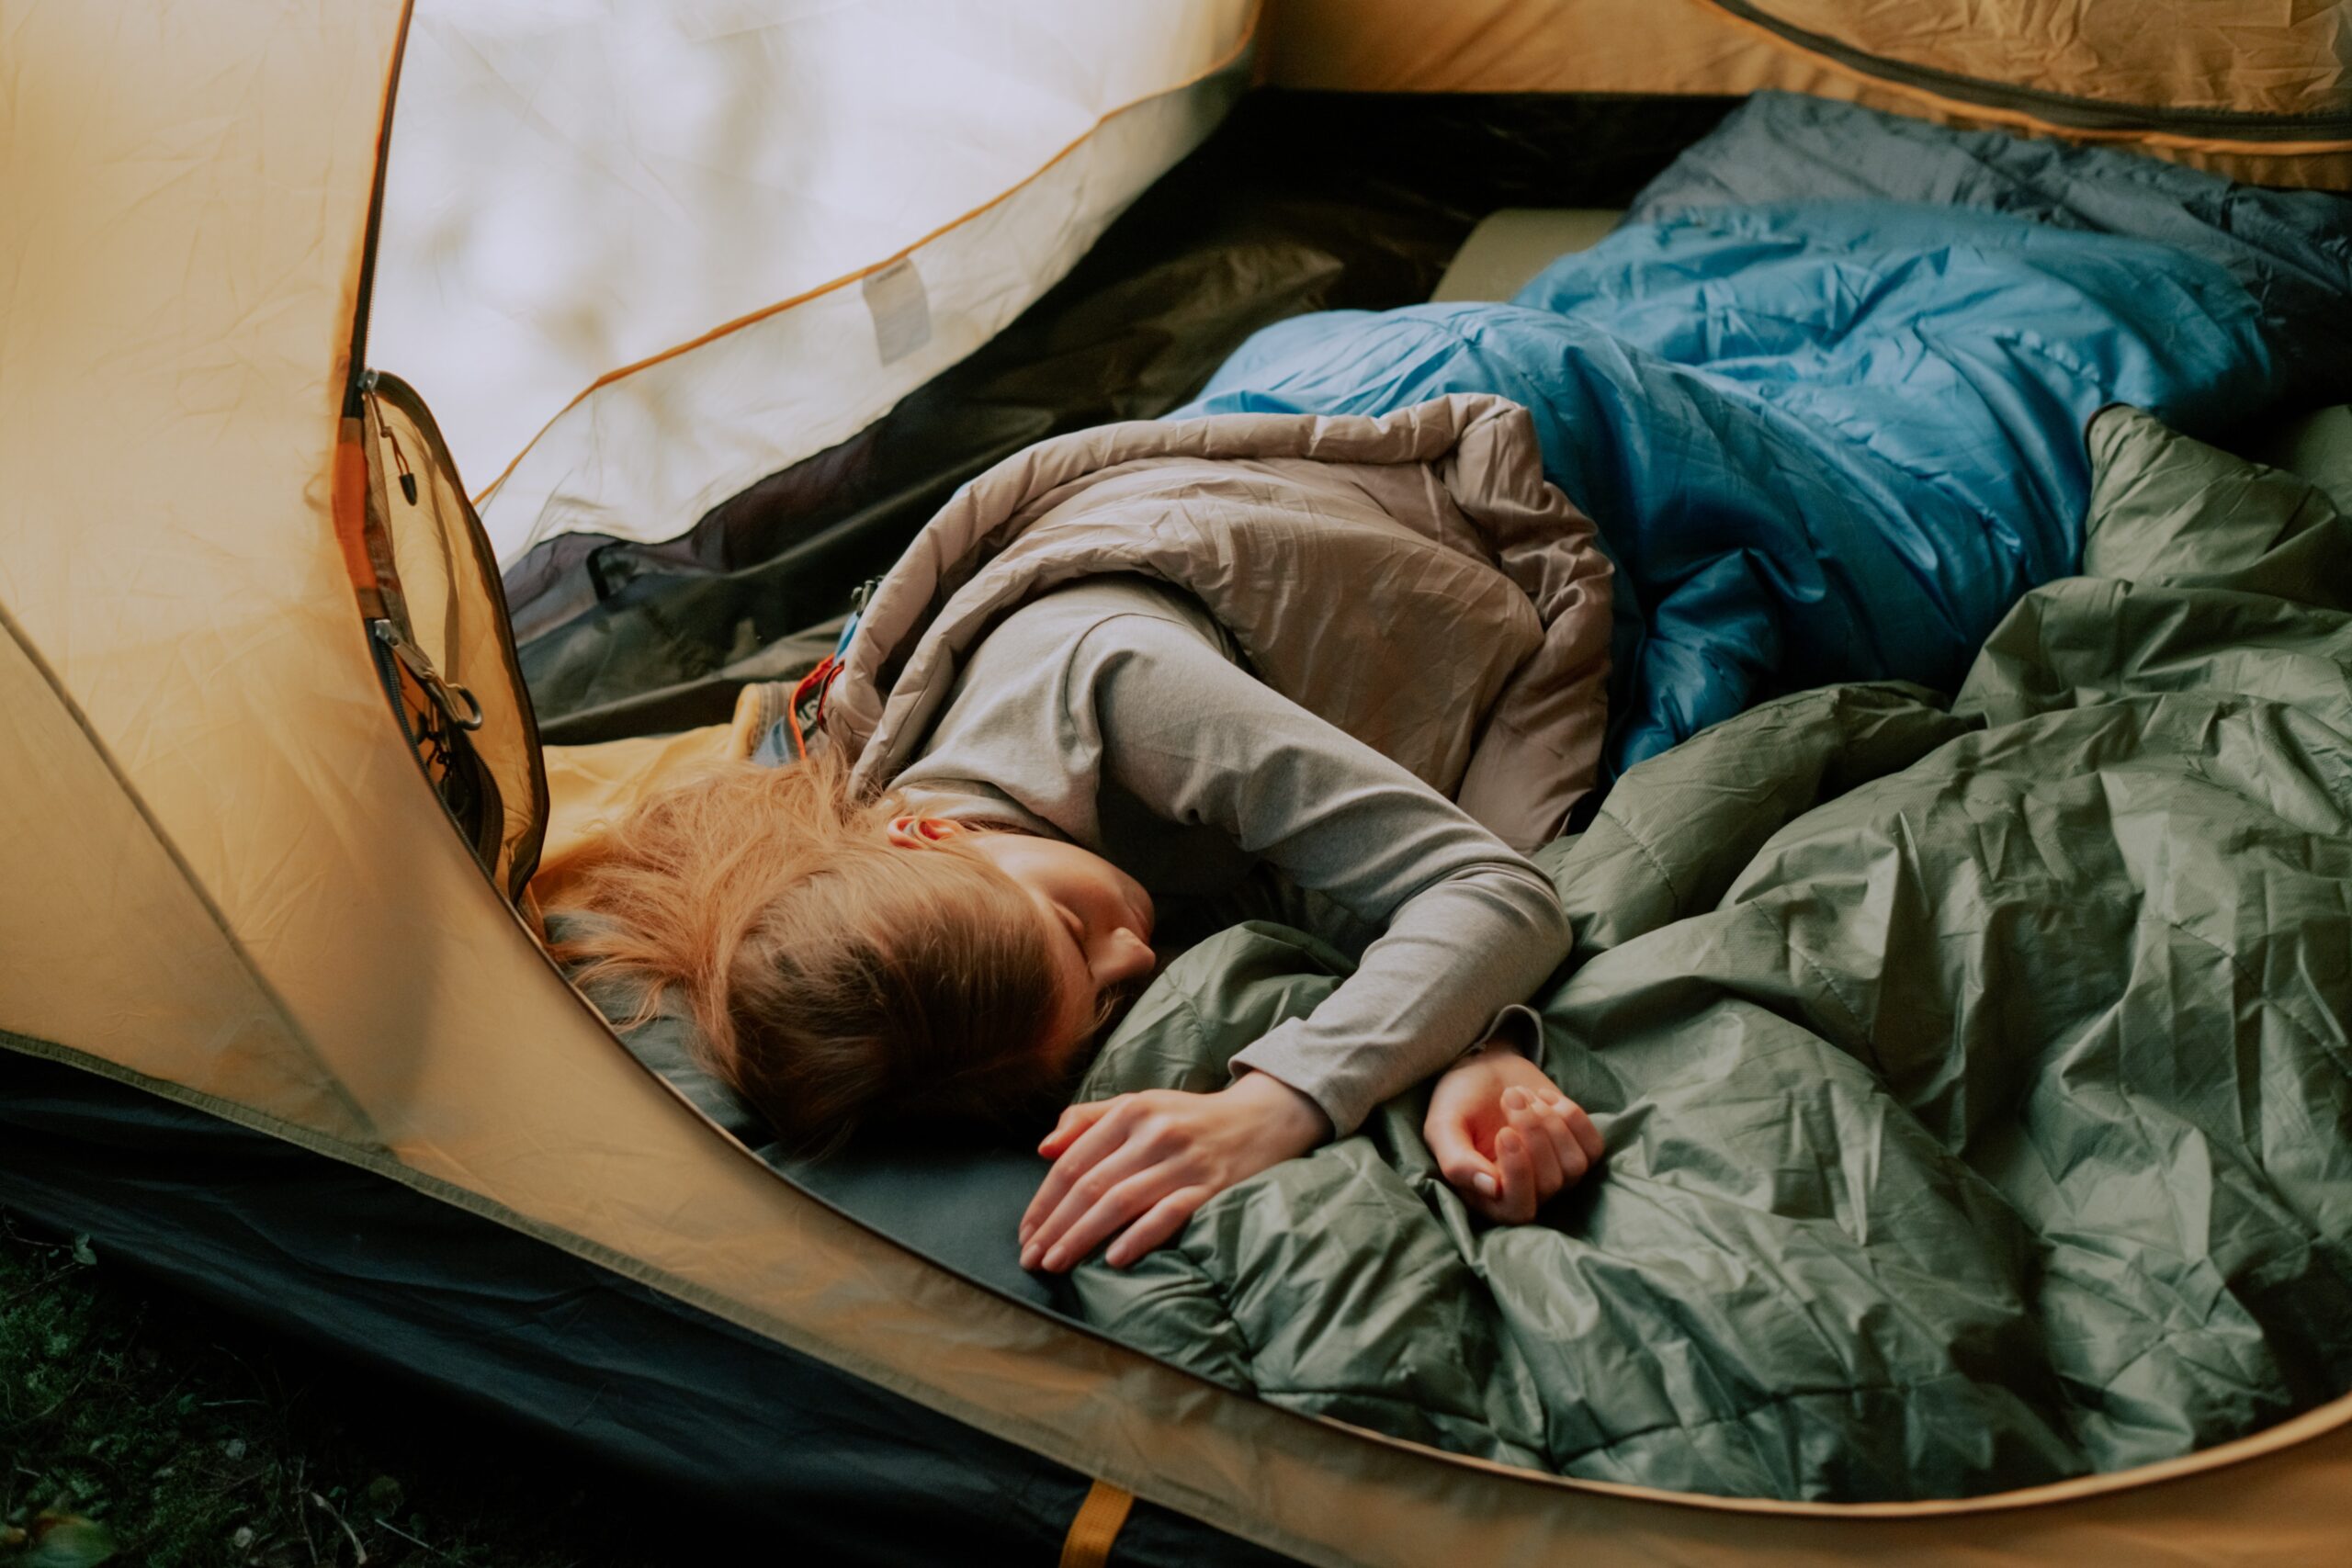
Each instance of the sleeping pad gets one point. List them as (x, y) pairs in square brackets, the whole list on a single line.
[(1834, 439), (1975, 1078)]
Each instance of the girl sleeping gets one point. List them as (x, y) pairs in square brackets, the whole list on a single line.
[(1126, 667), (1888, 1220), (1366, 648)]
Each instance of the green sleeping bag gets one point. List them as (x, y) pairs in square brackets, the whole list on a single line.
[(1975, 1079)]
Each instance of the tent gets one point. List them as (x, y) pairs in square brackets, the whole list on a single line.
[(274, 1028)]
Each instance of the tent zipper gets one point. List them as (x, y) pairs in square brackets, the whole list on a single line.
[(399, 458), (455, 701)]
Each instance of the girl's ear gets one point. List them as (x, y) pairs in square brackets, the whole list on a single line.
[(914, 832)]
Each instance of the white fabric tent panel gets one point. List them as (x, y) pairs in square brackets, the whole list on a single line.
[(577, 185), (644, 456)]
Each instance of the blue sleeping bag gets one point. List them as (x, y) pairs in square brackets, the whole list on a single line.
[(1829, 440)]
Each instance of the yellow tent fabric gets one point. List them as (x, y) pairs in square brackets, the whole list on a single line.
[(2117, 72), (226, 882)]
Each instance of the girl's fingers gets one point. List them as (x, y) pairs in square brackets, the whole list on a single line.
[(1516, 1204), (1563, 1145), (1458, 1159), (1541, 1158), (1158, 1226), (1104, 1132), (1081, 1196), (1587, 1137), (1074, 1120), (1101, 1220), (1480, 1185)]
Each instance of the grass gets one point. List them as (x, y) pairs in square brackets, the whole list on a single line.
[(142, 1429)]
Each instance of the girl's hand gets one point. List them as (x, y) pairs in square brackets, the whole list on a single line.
[(1505, 1137), (1139, 1165)]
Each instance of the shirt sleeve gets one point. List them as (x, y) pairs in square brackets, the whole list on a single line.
[(1471, 928)]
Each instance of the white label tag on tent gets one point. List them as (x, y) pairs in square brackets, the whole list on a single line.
[(901, 308)]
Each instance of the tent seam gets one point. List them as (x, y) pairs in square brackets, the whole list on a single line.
[(2015, 117)]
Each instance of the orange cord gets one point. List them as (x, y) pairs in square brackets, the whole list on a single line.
[(821, 678)]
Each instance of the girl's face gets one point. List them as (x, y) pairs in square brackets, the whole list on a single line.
[(1097, 919)]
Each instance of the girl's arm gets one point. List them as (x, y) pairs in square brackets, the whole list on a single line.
[(1471, 929)]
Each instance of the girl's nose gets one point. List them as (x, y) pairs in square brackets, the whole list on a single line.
[(1125, 956)]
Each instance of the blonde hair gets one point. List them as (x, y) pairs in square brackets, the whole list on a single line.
[(832, 976)]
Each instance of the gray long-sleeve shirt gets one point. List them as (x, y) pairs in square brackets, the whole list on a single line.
[(1115, 712)]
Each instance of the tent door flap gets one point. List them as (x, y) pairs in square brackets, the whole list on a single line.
[(437, 624)]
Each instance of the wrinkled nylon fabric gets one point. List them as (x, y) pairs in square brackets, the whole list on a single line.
[(1829, 438), (1976, 1081), (2292, 250)]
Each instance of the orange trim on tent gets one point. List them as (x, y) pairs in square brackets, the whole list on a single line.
[(349, 491), (363, 294), (1992, 115), (2293, 1432), (350, 507), (1249, 35)]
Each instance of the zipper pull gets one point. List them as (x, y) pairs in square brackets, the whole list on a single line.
[(857, 602), (452, 699), (399, 458)]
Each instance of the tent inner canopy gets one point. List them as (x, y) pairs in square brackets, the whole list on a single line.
[(640, 260), (716, 309)]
